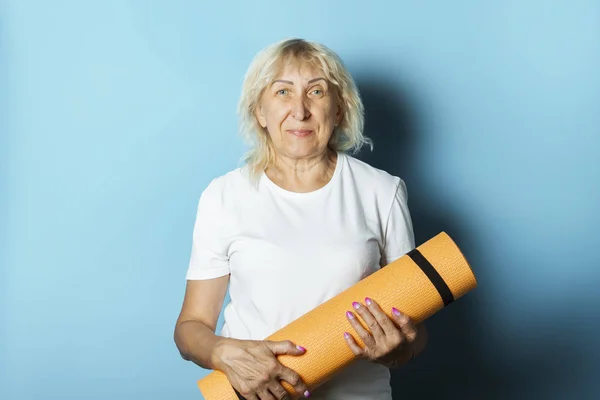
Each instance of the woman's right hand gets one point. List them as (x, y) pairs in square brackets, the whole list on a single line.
[(254, 371)]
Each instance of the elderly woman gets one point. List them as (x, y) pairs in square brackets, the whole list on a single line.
[(301, 221)]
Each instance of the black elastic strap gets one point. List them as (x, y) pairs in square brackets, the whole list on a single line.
[(433, 275), (240, 397)]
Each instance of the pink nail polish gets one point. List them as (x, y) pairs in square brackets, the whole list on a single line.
[(346, 335), (301, 348), (395, 311), (307, 394), (368, 301), (349, 315), (356, 305)]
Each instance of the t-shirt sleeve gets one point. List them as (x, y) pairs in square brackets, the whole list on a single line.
[(209, 257), (399, 237)]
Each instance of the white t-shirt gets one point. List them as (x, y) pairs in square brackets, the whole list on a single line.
[(289, 252)]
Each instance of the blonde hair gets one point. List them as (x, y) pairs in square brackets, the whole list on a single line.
[(347, 136)]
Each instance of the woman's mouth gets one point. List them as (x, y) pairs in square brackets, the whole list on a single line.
[(300, 132)]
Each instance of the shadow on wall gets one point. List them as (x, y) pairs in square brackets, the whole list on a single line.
[(461, 359)]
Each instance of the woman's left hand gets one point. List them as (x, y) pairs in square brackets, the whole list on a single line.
[(389, 341)]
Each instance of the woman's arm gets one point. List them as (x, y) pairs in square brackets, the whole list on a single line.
[(195, 328), (251, 366), (421, 341)]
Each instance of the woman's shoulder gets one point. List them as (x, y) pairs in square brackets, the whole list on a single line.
[(375, 178), (228, 183)]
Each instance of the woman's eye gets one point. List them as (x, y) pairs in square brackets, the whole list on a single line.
[(282, 91), (317, 92)]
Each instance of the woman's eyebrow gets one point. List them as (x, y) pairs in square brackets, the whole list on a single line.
[(292, 83)]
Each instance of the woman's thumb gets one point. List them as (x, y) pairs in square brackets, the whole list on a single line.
[(284, 347)]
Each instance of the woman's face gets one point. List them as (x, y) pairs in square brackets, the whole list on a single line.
[(299, 110)]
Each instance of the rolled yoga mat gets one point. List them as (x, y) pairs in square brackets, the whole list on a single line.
[(419, 284)]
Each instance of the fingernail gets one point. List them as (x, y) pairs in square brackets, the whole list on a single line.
[(395, 311), (301, 348), (346, 335), (349, 315), (307, 394), (368, 301), (356, 305)]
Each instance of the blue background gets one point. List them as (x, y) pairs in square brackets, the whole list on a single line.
[(114, 115)]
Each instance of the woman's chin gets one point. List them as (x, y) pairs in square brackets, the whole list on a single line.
[(303, 151)]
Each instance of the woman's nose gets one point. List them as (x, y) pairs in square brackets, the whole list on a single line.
[(300, 109)]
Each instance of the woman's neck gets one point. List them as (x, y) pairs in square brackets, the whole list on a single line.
[(305, 174)]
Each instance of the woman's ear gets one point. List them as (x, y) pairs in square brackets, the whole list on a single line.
[(260, 116), (339, 115)]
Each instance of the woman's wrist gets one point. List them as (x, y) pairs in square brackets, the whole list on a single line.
[(403, 358), (219, 349), (412, 353)]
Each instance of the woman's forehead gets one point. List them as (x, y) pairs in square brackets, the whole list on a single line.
[(294, 66)]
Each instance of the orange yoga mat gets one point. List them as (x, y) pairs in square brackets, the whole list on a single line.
[(419, 284)]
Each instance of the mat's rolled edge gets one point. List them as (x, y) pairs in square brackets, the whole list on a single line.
[(448, 295), (468, 279)]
